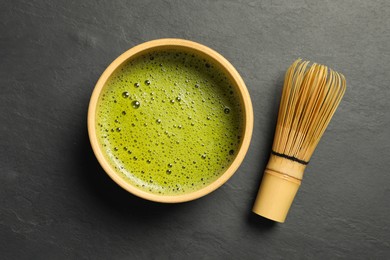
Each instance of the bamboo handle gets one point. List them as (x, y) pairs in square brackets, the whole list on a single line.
[(281, 181)]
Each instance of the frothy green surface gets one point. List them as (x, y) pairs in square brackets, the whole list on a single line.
[(170, 122)]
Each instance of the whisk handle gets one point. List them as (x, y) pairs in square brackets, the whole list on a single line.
[(275, 196), (280, 184)]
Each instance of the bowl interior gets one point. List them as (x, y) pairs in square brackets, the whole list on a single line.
[(156, 48)]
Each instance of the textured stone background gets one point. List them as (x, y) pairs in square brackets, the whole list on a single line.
[(57, 203)]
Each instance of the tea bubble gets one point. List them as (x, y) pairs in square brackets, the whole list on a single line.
[(125, 94), (226, 110), (136, 85), (158, 121), (136, 104), (170, 165), (169, 171), (118, 129), (147, 82)]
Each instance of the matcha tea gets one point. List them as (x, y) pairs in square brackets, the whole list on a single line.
[(169, 122)]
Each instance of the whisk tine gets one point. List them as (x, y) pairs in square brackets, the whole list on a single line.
[(294, 77), (318, 91), (309, 99)]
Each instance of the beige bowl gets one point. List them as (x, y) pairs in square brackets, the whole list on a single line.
[(197, 49)]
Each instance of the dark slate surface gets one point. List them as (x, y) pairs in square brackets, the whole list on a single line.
[(57, 203)]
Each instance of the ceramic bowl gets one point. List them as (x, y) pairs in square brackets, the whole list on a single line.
[(197, 49)]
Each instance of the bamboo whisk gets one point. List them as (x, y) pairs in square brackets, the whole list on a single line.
[(310, 97)]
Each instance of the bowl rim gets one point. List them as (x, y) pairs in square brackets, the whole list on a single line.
[(178, 44)]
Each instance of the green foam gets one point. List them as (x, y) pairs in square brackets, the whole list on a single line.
[(185, 129)]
